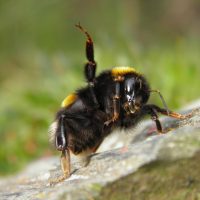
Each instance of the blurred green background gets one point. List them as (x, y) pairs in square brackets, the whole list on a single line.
[(42, 56)]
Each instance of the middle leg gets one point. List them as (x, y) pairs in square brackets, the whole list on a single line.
[(153, 111), (150, 107), (116, 104)]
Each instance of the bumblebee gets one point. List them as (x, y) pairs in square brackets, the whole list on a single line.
[(116, 98)]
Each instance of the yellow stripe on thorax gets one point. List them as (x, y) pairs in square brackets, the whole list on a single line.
[(120, 71), (69, 100)]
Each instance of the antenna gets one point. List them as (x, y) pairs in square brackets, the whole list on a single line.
[(162, 99)]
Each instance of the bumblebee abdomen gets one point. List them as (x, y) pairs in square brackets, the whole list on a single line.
[(85, 130)]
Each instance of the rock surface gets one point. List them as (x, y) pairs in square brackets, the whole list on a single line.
[(136, 167)]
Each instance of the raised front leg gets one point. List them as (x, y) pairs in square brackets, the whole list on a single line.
[(90, 66)]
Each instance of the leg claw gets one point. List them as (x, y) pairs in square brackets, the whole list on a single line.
[(59, 179)]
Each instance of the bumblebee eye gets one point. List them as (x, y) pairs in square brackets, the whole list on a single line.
[(129, 88), (138, 84), (129, 85)]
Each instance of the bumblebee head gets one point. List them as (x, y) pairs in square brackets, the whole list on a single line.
[(136, 93)]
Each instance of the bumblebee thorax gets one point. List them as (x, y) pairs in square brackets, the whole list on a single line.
[(123, 70)]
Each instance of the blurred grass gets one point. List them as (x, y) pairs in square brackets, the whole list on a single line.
[(42, 57)]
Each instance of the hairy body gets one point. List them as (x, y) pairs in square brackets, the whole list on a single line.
[(117, 98)]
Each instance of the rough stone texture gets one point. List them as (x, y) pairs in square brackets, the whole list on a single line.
[(139, 165)]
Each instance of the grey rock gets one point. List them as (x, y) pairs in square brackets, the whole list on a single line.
[(122, 159)]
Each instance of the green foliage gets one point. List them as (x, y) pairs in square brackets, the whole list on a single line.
[(42, 57)]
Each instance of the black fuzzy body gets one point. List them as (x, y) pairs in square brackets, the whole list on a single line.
[(117, 98), (84, 119)]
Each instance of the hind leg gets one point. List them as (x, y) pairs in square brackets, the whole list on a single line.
[(79, 134), (65, 166), (59, 136)]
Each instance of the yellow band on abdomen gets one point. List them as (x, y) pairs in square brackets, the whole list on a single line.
[(69, 100)]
